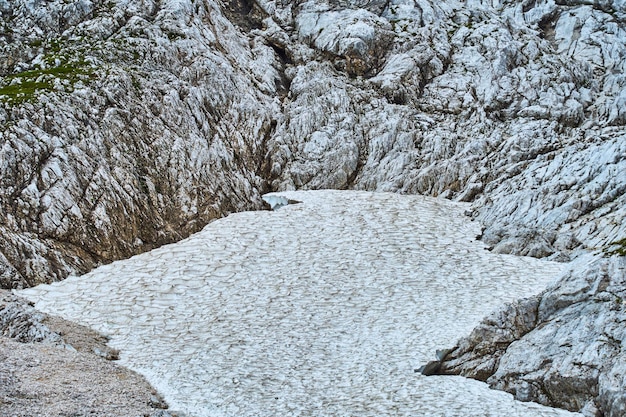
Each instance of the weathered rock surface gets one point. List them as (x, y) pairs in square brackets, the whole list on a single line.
[(125, 126), (22, 322), (562, 348), (508, 105), (128, 124)]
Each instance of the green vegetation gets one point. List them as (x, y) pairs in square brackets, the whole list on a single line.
[(13, 93), (61, 64), (62, 71), (24, 86), (36, 43), (616, 248)]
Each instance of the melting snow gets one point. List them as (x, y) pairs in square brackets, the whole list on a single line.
[(319, 309)]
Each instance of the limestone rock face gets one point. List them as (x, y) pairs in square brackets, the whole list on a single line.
[(128, 124), (507, 105), (21, 322), (124, 126), (562, 348)]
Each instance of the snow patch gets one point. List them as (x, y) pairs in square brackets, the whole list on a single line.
[(323, 309)]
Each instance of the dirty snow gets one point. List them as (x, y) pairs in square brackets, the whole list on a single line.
[(320, 308)]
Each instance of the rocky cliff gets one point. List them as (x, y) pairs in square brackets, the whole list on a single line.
[(563, 347), (127, 124), (124, 126)]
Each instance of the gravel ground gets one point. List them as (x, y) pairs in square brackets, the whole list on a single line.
[(72, 378)]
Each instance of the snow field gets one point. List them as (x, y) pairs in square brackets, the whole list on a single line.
[(323, 308)]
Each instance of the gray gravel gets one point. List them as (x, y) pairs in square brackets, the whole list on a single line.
[(65, 376)]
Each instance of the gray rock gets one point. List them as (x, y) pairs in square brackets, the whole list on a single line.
[(563, 348), (144, 127), (126, 125), (431, 368), (107, 353), (20, 321), (137, 134)]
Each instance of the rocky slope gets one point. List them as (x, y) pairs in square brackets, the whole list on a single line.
[(127, 124), (563, 347), (55, 368)]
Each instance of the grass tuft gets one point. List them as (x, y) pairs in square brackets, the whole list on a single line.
[(25, 86), (616, 248)]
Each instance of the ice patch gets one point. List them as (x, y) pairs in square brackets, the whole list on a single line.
[(277, 201)]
